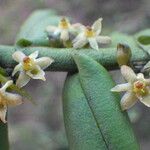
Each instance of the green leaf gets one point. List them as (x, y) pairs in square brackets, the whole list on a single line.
[(81, 126), (33, 30), (143, 39), (4, 143), (112, 125)]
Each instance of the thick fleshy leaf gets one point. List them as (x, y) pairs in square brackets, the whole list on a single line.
[(82, 129), (143, 39), (105, 105), (33, 30), (64, 61)]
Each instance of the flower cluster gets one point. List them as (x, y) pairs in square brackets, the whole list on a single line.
[(137, 88), (29, 67), (83, 35)]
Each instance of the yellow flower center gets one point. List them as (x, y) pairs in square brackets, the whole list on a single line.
[(89, 32), (64, 23), (139, 87), (28, 63)]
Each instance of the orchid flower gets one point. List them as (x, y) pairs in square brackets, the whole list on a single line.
[(136, 89), (7, 99), (91, 35), (30, 67)]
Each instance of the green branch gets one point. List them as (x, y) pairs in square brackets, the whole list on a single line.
[(63, 57)]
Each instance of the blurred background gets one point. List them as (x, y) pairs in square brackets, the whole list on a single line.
[(41, 126)]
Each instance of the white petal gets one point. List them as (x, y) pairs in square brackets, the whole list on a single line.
[(97, 26), (79, 37), (6, 85), (103, 39), (64, 35), (51, 28), (57, 32), (18, 56), (78, 26), (13, 99), (128, 100), (140, 76), (17, 68), (93, 43), (121, 87), (146, 100), (40, 74), (34, 55), (128, 73), (44, 62), (3, 114), (80, 42), (23, 79)]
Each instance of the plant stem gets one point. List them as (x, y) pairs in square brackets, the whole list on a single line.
[(63, 57)]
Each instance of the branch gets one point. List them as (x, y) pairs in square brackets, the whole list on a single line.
[(63, 57)]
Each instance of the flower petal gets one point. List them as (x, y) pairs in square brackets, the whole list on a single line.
[(18, 56), (23, 79), (103, 39), (146, 100), (3, 114), (51, 28), (6, 85), (97, 26), (17, 68), (44, 62), (128, 100), (140, 76), (93, 43), (128, 73), (121, 87), (39, 75), (34, 55), (13, 99), (78, 26), (64, 35), (80, 41)]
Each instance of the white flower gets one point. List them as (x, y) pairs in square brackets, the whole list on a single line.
[(136, 89), (30, 67), (91, 35), (7, 99), (63, 29)]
